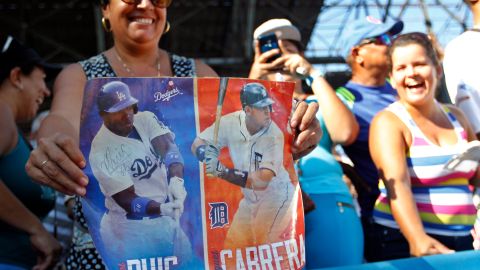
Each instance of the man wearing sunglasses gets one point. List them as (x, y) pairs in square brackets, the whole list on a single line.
[(365, 47)]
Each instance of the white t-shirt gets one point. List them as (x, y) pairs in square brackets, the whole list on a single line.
[(461, 66)]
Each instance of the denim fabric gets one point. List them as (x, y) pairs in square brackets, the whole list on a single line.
[(333, 232)]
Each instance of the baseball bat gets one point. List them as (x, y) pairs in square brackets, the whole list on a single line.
[(221, 96)]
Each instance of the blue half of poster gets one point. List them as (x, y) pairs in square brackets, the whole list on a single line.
[(136, 134)]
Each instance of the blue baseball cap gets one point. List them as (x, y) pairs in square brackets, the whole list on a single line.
[(368, 27)]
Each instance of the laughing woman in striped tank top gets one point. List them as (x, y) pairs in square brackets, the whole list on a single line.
[(423, 209)]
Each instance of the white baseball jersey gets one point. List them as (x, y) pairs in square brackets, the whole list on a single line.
[(262, 216), (263, 150), (120, 162)]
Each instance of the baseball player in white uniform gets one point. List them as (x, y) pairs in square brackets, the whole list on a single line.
[(255, 146), (132, 156)]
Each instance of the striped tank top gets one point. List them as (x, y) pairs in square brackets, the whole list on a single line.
[(443, 198)]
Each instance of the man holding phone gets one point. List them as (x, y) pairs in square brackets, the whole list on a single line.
[(279, 56)]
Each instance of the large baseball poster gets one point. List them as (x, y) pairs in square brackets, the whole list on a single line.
[(190, 173)]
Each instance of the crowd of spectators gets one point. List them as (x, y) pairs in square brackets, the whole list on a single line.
[(397, 201)]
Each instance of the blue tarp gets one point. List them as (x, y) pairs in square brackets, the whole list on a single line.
[(465, 260)]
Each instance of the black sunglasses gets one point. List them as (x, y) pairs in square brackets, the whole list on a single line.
[(383, 39), (157, 3)]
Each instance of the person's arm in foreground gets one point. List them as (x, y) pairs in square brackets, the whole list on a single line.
[(339, 120), (388, 145), (14, 213), (204, 70), (59, 137)]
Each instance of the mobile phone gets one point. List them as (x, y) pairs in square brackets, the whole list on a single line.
[(269, 42)]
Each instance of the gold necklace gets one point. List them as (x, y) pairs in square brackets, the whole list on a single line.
[(129, 70)]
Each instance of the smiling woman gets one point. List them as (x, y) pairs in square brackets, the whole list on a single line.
[(24, 242), (157, 3), (423, 209), (414, 73), (137, 27)]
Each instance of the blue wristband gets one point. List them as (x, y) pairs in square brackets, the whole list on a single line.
[(200, 152), (310, 78), (139, 206), (173, 156)]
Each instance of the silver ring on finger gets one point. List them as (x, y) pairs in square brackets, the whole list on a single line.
[(44, 163)]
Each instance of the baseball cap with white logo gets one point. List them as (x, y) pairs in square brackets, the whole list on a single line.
[(367, 27)]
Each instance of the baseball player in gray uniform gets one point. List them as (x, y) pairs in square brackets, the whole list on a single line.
[(255, 145), (140, 171)]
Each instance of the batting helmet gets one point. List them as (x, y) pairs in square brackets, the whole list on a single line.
[(255, 95), (115, 96)]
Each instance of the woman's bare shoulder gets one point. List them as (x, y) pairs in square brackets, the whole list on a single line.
[(204, 70), (68, 91), (463, 120), (72, 73)]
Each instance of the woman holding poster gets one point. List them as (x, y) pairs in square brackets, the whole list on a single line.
[(136, 27)]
